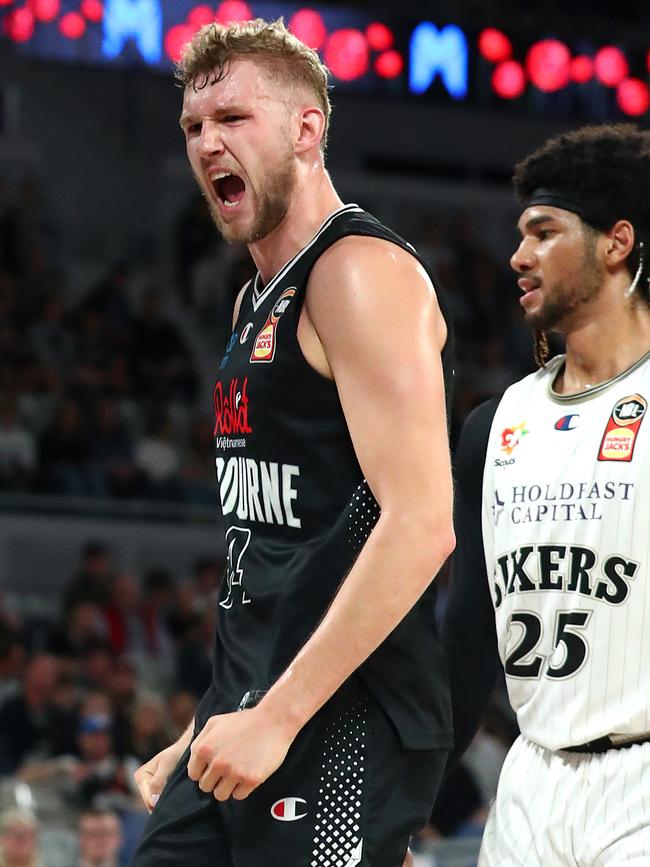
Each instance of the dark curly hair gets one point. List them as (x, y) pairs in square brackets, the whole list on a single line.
[(606, 169)]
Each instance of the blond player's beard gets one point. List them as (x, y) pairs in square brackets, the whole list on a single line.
[(273, 199)]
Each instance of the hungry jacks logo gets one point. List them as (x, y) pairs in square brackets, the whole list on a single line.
[(264, 346)]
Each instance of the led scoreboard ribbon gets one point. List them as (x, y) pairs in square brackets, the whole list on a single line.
[(396, 57)]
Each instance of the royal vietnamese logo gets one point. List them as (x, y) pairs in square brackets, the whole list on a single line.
[(264, 346), (511, 437), (622, 429)]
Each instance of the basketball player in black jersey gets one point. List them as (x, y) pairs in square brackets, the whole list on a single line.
[(322, 738)]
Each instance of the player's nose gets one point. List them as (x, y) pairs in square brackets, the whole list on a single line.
[(210, 141), (523, 258)]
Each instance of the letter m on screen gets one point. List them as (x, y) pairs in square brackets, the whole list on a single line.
[(138, 20), (438, 52)]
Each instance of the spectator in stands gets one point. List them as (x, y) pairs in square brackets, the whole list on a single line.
[(110, 301), (19, 839), (197, 471), (101, 776), (17, 449), (111, 450), (12, 660), (161, 358), (157, 457), (100, 838), (181, 706), (28, 721), (149, 733), (64, 455), (93, 580), (50, 337)]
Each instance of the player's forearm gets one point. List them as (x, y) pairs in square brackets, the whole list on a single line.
[(379, 591)]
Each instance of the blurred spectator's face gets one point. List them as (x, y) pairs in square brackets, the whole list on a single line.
[(42, 675), (96, 704), (95, 746), (85, 619), (96, 563), (148, 719), (126, 591), (18, 845), (98, 666), (99, 839), (123, 680), (68, 417)]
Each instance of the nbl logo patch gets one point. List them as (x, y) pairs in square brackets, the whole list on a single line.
[(622, 429), (264, 346)]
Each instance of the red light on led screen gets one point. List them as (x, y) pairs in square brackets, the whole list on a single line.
[(93, 10), (389, 64), (582, 69), (176, 39), (233, 10), (509, 80), (633, 96), (72, 25), (5, 3), (19, 24), (308, 26), (611, 66), (346, 54), (549, 65), (199, 16), (45, 10), (379, 37), (494, 45)]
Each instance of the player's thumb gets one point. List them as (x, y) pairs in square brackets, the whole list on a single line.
[(156, 786)]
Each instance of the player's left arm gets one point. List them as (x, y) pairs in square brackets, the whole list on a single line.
[(377, 319)]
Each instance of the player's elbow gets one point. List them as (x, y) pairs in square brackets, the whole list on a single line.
[(436, 538)]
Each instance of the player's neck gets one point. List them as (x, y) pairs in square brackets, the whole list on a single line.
[(605, 344), (315, 198)]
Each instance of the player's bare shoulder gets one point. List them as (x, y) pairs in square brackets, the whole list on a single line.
[(360, 272)]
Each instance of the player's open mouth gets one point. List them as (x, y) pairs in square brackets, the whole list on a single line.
[(229, 188)]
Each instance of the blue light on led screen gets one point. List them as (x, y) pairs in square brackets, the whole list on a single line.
[(140, 20), (442, 52)]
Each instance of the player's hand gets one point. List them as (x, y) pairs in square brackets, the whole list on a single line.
[(151, 777), (236, 752)]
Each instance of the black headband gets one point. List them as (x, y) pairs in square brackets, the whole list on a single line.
[(556, 199)]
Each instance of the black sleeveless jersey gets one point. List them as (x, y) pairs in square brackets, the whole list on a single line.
[(297, 509)]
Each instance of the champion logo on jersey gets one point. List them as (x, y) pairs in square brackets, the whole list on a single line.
[(622, 429), (246, 330), (264, 346), (511, 437), (289, 809), (567, 422)]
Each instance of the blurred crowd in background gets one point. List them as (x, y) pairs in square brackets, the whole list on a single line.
[(100, 387), (104, 394)]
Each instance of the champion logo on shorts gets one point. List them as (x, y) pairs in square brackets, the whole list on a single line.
[(288, 809)]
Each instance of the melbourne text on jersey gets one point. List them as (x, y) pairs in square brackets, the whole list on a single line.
[(262, 491)]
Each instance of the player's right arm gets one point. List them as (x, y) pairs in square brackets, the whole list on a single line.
[(469, 631), (151, 777)]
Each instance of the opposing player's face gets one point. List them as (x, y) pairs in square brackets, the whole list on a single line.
[(237, 133), (558, 267)]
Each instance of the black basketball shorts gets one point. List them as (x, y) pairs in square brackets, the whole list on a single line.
[(347, 794)]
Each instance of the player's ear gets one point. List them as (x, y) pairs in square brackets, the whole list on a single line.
[(619, 244), (311, 125)]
